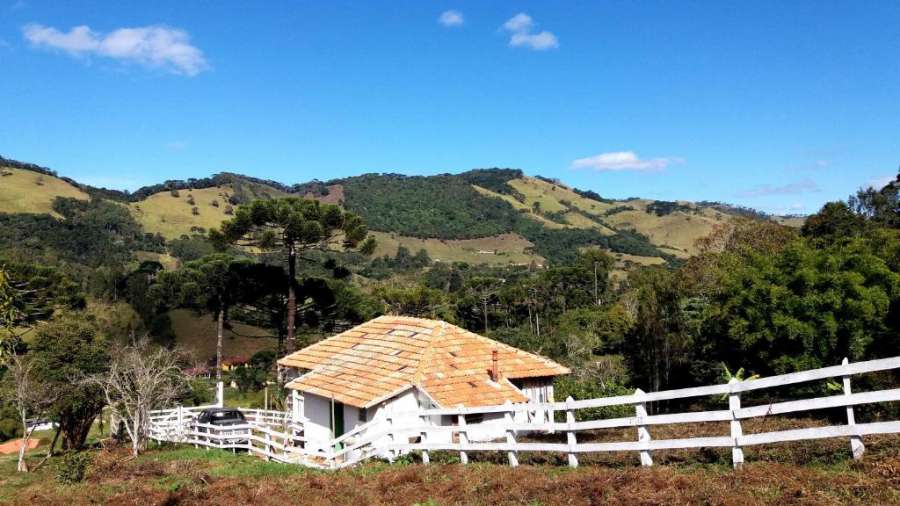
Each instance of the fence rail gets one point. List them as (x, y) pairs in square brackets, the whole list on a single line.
[(274, 435)]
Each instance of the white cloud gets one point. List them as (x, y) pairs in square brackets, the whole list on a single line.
[(451, 18), (764, 190), (617, 161), (522, 34), (151, 46), (521, 22), (796, 208), (177, 145), (879, 182), (536, 41)]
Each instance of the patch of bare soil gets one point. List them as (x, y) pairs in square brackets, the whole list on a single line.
[(12, 446)]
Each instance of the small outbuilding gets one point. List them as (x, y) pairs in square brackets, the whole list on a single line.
[(397, 365)]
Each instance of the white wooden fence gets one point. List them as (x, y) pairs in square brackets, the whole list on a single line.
[(273, 435)]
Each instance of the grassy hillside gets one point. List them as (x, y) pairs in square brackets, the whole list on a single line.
[(197, 334), (496, 250), (173, 214), (24, 191), (454, 217)]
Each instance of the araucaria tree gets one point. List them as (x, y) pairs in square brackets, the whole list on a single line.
[(8, 313), (293, 225), (216, 283), (140, 378)]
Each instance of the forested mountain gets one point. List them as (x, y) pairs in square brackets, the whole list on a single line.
[(490, 216)]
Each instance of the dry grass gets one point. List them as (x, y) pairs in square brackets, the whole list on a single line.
[(679, 230), (197, 334), (818, 472), (25, 191), (173, 216), (509, 248)]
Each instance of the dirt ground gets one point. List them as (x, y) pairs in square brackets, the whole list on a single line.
[(12, 447), (801, 473)]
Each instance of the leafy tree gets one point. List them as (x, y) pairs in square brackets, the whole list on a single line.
[(804, 308), (8, 312), (657, 347), (415, 300), (292, 226), (597, 263), (63, 351), (880, 205), (835, 221), (188, 248), (215, 283)]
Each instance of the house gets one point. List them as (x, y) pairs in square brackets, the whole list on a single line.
[(396, 364)]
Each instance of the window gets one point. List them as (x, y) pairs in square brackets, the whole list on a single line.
[(363, 414), (474, 418)]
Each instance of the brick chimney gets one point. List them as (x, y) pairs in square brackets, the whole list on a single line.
[(495, 366)]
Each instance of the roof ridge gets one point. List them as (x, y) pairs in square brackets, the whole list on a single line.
[(425, 358)]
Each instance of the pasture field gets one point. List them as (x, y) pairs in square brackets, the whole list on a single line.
[(24, 191), (507, 248), (173, 216), (197, 334)]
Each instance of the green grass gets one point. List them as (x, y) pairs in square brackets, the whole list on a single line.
[(197, 334), (173, 216), (22, 193)]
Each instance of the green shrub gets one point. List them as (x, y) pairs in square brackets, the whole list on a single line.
[(73, 467)]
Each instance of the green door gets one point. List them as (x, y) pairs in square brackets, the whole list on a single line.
[(338, 419)]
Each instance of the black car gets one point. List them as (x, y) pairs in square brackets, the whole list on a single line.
[(221, 416), (224, 418)]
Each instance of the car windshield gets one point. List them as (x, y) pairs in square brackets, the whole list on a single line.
[(220, 415)]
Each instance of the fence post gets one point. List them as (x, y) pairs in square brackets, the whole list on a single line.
[(509, 420), (734, 404), (856, 443), (426, 459), (220, 394), (268, 444), (640, 411), (570, 434), (180, 430), (463, 437)]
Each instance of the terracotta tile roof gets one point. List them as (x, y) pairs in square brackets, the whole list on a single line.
[(387, 355)]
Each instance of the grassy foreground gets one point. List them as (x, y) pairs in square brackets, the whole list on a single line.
[(184, 475)]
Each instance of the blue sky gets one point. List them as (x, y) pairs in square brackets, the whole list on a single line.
[(775, 105)]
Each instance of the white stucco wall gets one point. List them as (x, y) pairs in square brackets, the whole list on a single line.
[(401, 409), (317, 427)]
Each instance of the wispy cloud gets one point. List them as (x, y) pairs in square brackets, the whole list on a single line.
[(618, 161), (796, 188), (4, 44), (792, 209), (151, 46), (879, 182), (18, 5), (521, 28), (451, 18), (177, 145)]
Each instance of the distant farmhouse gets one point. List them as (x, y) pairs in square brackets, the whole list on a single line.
[(397, 365)]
